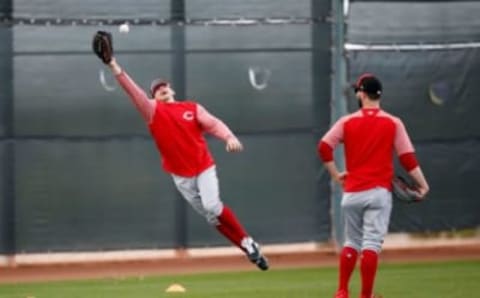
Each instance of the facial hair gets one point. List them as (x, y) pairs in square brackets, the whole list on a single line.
[(360, 105)]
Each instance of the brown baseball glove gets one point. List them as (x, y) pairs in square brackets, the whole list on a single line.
[(102, 46), (405, 191)]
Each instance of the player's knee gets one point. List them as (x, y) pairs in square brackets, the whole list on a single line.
[(374, 245), (357, 245), (212, 219), (214, 208)]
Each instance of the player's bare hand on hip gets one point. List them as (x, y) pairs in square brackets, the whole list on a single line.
[(340, 177), (233, 145)]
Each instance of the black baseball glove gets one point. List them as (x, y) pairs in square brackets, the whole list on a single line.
[(102, 46), (405, 191)]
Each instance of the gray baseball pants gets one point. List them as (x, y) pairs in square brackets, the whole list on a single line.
[(366, 217), (202, 192)]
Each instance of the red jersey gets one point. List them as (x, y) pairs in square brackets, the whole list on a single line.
[(179, 138), (177, 128), (370, 137)]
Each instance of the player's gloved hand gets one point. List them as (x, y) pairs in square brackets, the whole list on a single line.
[(406, 191), (233, 145), (102, 46)]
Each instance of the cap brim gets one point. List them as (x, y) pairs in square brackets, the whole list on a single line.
[(158, 83)]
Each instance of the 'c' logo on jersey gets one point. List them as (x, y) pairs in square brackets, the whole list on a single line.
[(188, 115)]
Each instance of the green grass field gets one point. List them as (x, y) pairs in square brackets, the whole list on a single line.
[(422, 280)]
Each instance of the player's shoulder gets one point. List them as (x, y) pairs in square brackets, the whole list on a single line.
[(346, 118), (385, 114), (350, 116)]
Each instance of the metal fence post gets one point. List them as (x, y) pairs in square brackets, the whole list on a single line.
[(179, 84), (339, 107), (7, 218)]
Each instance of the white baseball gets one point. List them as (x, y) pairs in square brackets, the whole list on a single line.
[(124, 28)]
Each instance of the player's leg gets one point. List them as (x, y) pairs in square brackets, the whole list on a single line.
[(187, 186), (226, 220), (353, 220), (189, 189), (219, 214), (376, 219)]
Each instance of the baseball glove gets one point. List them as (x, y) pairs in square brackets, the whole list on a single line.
[(102, 46), (405, 191)]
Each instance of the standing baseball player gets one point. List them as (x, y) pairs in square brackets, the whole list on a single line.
[(370, 136), (177, 128)]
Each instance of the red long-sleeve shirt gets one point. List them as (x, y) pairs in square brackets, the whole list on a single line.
[(177, 128), (370, 137)]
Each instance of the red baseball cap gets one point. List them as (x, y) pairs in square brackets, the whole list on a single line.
[(157, 83)]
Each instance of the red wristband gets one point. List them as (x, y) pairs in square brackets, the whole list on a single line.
[(325, 152), (408, 161)]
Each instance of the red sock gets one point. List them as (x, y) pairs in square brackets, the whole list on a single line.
[(230, 226), (368, 269), (228, 234), (348, 259)]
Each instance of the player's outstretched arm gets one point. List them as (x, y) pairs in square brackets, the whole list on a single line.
[(102, 46), (139, 98), (115, 67)]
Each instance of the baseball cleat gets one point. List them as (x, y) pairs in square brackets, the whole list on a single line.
[(252, 250), (262, 263)]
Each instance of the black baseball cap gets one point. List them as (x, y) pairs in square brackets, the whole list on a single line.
[(368, 83)]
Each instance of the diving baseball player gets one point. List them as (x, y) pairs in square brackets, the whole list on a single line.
[(177, 128)]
